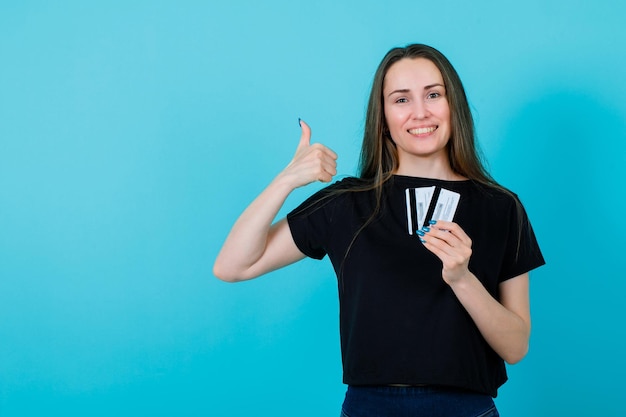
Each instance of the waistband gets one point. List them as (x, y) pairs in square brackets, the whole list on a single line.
[(424, 400)]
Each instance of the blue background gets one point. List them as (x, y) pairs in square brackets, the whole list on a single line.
[(132, 134)]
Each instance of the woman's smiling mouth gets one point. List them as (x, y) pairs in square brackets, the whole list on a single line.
[(422, 130)]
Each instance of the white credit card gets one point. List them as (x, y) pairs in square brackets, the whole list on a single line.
[(446, 205), (416, 210), (419, 204)]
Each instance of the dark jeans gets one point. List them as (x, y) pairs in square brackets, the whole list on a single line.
[(416, 402)]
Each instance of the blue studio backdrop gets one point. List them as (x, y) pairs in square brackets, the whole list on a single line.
[(132, 135)]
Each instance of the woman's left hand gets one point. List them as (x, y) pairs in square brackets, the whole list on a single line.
[(452, 245)]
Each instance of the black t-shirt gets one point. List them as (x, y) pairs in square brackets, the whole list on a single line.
[(400, 323)]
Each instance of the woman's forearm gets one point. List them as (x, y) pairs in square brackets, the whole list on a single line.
[(506, 327), (248, 239)]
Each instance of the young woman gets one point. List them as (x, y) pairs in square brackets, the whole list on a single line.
[(432, 255)]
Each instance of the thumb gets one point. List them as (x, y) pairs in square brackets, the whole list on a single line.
[(305, 138)]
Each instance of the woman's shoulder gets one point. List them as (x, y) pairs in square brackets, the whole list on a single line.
[(494, 198), (332, 192), (349, 183), (345, 184), (495, 191)]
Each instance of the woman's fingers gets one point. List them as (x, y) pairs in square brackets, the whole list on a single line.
[(451, 245), (305, 137), (450, 232), (312, 162)]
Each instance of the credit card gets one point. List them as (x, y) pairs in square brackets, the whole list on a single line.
[(429, 203), (446, 205), (417, 204)]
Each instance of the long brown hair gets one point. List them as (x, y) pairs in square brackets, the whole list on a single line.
[(379, 156)]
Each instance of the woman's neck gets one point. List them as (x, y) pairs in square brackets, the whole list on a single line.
[(428, 168)]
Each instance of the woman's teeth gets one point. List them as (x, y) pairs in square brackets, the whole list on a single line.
[(422, 130)]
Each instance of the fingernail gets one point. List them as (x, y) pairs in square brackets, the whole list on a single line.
[(422, 240), (432, 222), (299, 122), (426, 229), (419, 232)]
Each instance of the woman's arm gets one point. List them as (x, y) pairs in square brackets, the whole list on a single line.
[(254, 246), (504, 323)]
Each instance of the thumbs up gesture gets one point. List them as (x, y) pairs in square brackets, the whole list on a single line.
[(312, 162)]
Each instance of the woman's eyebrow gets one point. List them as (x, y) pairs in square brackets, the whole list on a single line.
[(407, 90), (401, 90)]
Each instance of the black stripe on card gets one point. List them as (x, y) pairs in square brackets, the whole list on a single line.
[(411, 210), (432, 205)]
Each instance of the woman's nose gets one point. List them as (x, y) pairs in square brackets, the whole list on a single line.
[(420, 110)]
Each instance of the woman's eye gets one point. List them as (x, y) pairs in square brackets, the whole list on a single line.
[(401, 100), (433, 95)]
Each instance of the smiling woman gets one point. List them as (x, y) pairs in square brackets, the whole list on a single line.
[(429, 317), (418, 117)]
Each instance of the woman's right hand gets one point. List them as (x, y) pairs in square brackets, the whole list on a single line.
[(312, 162)]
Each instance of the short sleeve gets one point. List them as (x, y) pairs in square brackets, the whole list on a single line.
[(310, 224), (314, 222), (522, 249)]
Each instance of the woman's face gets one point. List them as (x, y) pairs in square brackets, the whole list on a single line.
[(417, 110)]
